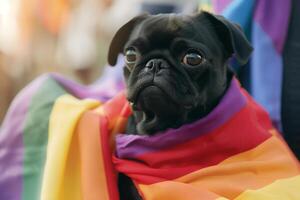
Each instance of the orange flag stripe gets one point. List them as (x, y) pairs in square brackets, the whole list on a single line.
[(252, 169), (94, 183)]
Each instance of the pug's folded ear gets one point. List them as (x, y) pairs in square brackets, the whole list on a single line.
[(232, 36), (121, 37)]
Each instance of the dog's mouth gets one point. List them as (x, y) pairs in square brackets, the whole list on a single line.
[(149, 123), (151, 98), (156, 110)]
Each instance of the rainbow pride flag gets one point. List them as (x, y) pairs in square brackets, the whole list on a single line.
[(63, 141), (25, 131)]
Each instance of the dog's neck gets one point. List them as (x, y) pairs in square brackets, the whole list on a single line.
[(204, 109), (198, 112)]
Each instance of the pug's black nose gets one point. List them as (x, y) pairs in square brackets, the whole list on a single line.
[(156, 64)]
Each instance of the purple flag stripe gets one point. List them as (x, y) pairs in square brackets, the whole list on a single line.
[(133, 145), (78, 90), (273, 23), (104, 89), (11, 143)]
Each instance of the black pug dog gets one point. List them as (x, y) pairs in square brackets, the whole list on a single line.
[(176, 70)]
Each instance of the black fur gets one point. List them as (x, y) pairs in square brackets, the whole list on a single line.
[(165, 92)]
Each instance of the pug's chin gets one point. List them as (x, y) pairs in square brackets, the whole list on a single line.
[(157, 111)]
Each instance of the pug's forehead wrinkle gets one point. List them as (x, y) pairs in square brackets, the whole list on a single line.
[(160, 31)]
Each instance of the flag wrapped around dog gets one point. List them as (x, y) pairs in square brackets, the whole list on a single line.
[(58, 144)]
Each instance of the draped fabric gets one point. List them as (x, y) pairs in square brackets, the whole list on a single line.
[(266, 25), (25, 130), (64, 141), (233, 153)]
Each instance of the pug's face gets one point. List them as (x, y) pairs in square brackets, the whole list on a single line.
[(176, 66)]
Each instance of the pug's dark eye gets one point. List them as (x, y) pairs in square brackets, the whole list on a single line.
[(130, 57), (192, 59)]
